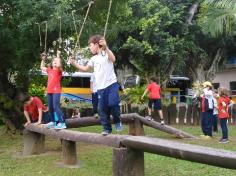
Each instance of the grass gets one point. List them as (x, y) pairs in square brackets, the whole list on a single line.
[(96, 160)]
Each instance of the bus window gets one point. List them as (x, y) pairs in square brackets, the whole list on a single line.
[(79, 82)]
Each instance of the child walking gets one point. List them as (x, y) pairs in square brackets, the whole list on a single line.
[(154, 91), (223, 107), (54, 91), (107, 86)]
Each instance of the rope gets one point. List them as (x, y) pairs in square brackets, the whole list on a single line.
[(108, 15), (73, 16), (60, 39), (46, 33), (40, 37), (82, 27)]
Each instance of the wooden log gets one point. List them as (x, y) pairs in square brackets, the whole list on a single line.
[(69, 152), (136, 128), (128, 162), (34, 143), (189, 152), (92, 138), (165, 128), (90, 121), (127, 118)]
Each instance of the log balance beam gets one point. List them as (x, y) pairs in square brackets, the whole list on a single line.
[(128, 151), (131, 119)]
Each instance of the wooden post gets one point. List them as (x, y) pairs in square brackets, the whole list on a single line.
[(69, 152), (136, 128), (128, 162), (33, 143)]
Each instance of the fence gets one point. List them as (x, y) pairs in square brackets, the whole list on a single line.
[(180, 113)]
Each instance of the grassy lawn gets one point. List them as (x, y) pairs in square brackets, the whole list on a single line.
[(96, 160)]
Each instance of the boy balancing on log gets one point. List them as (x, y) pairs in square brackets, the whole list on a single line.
[(106, 82)]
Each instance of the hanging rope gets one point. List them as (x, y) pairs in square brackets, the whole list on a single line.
[(59, 39), (40, 37), (77, 44), (46, 33), (108, 15), (73, 16)]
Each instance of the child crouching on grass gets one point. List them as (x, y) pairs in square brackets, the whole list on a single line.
[(223, 113)]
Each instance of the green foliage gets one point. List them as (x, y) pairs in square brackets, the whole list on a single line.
[(217, 17), (38, 90), (133, 95)]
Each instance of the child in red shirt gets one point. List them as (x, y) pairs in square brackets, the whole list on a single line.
[(54, 91), (35, 110), (154, 91), (223, 114)]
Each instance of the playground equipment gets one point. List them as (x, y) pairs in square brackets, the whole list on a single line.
[(128, 151)]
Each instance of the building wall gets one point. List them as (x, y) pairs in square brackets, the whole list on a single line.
[(225, 77)]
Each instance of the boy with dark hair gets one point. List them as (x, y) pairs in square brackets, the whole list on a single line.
[(154, 91), (107, 86)]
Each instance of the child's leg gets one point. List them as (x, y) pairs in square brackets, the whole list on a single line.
[(104, 110), (215, 123), (209, 118), (57, 110), (113, 102), (203, 122), (223, 124), (50, 106), (150, 102), (95, 102)]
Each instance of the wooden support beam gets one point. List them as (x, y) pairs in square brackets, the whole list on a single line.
[(69, 152), (136, 128), (165, 128), (33, 143), (76, 136), (128, 162), (189, 152), (129, 118)]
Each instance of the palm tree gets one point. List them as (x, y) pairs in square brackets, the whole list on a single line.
[(218, 17)]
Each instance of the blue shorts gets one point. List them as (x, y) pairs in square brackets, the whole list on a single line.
[(156, 103)]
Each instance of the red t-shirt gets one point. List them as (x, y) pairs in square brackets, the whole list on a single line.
[(54, 80), (154, 91), (223, 110), (33, 107)]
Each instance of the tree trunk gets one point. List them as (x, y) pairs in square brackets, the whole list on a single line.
[(191, 12)]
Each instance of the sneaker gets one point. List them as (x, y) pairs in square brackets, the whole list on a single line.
[(223, 141), (162, 122), (96, 115), (148, 118), (105, 133), (118, 127), (60, 126), (51, 125), (207, 137)]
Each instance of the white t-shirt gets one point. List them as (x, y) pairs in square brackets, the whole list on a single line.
[(103, 71), (92, 80), (209, 95)]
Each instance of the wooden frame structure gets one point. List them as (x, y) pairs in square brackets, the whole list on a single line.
[(128, 150)]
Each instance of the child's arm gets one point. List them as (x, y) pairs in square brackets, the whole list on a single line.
[(145, 92), (40, 116), (80, 67), (27, 118), (42, 66), (110, 54)]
